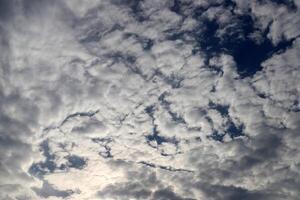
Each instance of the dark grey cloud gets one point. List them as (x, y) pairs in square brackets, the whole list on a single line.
[(126, 190), (6, 8), (11, 9), (167, 193), (15, 133), (47, 191), (234, 193), (141, 186)]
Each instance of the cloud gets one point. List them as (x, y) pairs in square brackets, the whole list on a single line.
[(149, 100), (47, 191)]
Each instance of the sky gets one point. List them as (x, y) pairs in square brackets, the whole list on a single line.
[(149, 99)]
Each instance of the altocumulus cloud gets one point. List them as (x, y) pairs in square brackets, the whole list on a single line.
[(158, 100)]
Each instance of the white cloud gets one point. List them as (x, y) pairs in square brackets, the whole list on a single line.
[(96, 102)]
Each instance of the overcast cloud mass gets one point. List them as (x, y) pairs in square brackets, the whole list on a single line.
[(149, 99)]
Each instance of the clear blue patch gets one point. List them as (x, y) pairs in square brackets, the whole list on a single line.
[(217, 136), (237, 40), (222, 109), (247, 53), (75, 161), (155, 137), (48, 166), (235, 131)]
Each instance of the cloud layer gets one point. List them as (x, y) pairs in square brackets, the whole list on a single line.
[(153, 100)]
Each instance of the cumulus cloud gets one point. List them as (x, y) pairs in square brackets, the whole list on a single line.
[(149, 100)]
